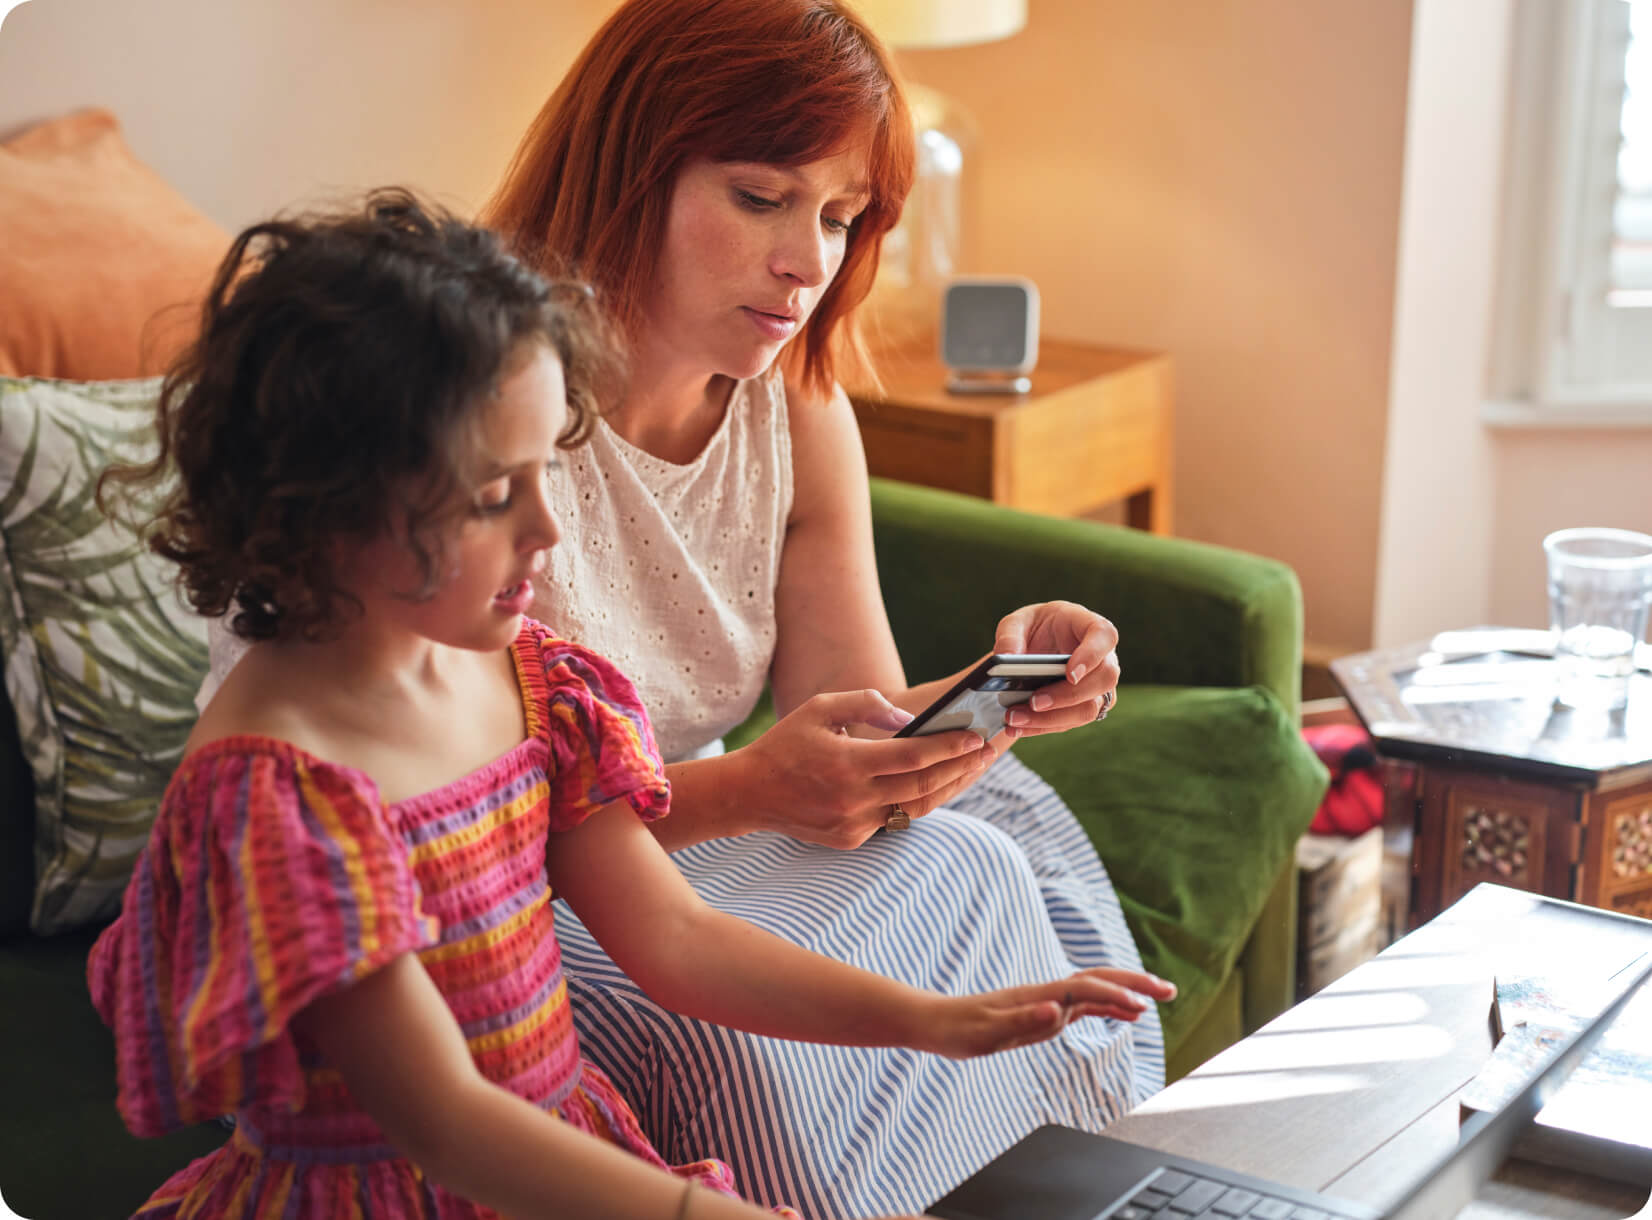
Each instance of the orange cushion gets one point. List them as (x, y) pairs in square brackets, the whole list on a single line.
[(103, 265)]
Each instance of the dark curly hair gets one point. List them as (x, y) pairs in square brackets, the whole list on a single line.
[(330, 394)]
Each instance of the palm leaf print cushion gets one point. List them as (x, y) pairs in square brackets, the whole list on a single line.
[(102, 657)]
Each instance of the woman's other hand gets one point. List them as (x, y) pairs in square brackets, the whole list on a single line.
[(809, 778), (1092, 674), (965, 1026)]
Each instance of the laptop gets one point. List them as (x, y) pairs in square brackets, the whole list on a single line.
[(1058, 1173)]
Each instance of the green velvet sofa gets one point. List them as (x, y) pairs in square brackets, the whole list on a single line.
[(1194, 790)]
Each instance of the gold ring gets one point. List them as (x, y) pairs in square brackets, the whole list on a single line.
[(898, 819)]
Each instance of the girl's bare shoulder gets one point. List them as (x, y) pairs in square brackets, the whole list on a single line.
[(265, 695)]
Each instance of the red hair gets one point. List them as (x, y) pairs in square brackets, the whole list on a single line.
[(784, 82)]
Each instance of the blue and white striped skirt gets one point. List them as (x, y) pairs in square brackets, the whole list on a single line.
[(1000, 889)]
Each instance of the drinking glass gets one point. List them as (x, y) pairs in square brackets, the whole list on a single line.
[(1600, 587)]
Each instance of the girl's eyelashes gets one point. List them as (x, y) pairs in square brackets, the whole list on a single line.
[(495, 497), (485, 507)]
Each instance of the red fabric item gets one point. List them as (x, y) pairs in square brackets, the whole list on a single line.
[(1353, 803)]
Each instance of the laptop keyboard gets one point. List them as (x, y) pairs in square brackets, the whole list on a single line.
[(1171, 1194)]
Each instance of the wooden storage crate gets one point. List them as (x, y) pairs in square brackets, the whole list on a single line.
[(1339, 904)]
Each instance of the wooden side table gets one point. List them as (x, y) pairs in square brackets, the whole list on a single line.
[(1500, 784), (1094, 429)]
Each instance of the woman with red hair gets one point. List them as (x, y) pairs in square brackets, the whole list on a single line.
[(724, 172)]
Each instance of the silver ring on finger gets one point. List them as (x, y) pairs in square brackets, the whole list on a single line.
[(1107, 700)]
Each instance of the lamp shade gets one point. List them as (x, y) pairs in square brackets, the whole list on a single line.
[(942, 23)]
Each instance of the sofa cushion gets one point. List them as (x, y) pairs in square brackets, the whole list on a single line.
[(102, 657), (104, 264), (1203, 793), (68, 1153)]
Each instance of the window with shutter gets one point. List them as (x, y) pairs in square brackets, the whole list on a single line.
[(1627, 42), (1596, 349)]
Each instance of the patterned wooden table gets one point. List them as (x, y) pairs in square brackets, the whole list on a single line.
[(1497, 782)]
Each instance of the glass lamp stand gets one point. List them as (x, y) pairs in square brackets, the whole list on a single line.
[(926, 248)]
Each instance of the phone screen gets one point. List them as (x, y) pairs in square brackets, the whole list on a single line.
[(978, 701)]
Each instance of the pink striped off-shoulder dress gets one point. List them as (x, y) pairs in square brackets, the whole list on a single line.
[(273, 877)]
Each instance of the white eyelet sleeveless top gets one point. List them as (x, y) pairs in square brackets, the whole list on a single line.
[(670, 571)]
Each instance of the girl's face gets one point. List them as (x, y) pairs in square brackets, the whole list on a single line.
[(498, 536), (749, 250)]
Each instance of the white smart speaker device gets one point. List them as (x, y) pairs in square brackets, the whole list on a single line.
[(989, 334)]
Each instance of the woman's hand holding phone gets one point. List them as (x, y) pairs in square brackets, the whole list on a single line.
[(1092, 675), (980, 700), (807, 777)]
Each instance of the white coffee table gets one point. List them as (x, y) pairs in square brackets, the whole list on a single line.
[(1356, 1088)]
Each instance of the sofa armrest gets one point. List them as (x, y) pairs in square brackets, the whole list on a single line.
[(1188, 613)]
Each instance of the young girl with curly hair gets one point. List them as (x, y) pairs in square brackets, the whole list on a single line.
[(341, 928)]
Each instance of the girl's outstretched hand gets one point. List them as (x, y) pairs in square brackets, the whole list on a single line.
[(966, 1026)]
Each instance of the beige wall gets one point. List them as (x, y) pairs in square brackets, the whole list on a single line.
[(252, 105), (1225, 188), (1229, 187), (1221, 181), (1439, 479), (1548, 480)]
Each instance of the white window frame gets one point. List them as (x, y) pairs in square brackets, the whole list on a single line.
[(1562, 356)]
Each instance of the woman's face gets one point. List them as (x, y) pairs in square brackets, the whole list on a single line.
[(749, 250)]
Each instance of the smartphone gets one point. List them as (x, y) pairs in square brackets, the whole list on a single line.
[(980, 698)]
